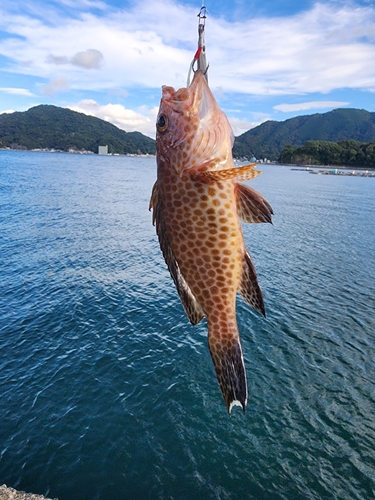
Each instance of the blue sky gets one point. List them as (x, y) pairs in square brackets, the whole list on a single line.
[(268, 59)]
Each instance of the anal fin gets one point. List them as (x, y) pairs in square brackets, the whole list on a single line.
[(249, 287)]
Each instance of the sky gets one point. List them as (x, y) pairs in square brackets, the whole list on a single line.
[(268, 59)]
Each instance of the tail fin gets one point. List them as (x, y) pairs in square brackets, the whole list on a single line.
[(226, 353)]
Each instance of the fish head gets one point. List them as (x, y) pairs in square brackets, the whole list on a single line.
[(192, 133)]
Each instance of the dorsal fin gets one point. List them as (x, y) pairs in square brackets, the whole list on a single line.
[(251, 206)]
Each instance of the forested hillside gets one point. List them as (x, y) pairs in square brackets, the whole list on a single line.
[(348, 153), (268, 139), (52, 127)]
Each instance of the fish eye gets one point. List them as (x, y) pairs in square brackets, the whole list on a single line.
[(162, 123)]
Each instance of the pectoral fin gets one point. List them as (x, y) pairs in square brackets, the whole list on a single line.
[(251, 206), (249, 287), (190, 304), (245, 173)]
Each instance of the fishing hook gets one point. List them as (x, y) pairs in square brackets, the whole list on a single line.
[(202, 15), (200, 55)]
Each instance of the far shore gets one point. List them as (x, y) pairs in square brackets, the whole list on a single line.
[(73, 151), (296, 166)]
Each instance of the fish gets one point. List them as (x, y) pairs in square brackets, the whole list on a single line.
[(197, 203)]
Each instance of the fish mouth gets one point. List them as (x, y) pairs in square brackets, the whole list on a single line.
[(198, 78), (211, 117), (197, 96), (197, 126), (203, 98)]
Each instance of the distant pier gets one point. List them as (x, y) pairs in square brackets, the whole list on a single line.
[(335, 171)]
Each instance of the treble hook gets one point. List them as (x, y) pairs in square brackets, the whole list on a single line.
[(200, 55)]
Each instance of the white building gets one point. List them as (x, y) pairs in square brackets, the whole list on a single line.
[(103, 150)]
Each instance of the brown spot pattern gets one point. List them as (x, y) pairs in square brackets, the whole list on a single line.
[(197, 204), (207, 243)]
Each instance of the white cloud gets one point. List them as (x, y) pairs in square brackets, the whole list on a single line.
[(56, 85), (89, 59), (58, 60), (7, 111), (131, 121), (240, 126), (303, 106), (300, 54), (17, 91), (330, 46), (76, 4)]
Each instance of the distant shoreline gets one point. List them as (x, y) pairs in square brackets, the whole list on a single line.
[(300, 167), (294, 166), (342, 171), (36, 150)]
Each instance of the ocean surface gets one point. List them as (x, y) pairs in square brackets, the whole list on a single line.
[(107, 392)]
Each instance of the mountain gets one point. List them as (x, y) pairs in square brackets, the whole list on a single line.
[(51, 127), (268, 139)]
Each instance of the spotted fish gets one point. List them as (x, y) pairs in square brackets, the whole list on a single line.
[(197, 203)]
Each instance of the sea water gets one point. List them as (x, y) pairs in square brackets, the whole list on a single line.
[(107, 392)]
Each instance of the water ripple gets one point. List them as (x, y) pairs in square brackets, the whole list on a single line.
[(106, 388)]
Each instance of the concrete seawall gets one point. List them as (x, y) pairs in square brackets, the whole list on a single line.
[(12, 494)]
